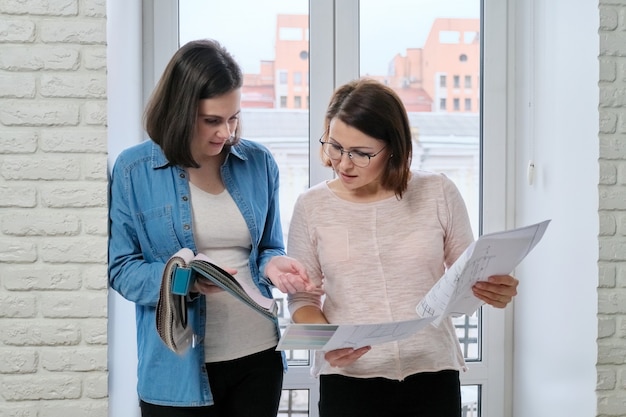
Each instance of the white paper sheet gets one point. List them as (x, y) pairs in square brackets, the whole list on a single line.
[(492, 254), (332, 336)]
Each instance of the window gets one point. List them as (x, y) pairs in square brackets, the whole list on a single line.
[(282, 77), (290, 34), (449, 36), (280, 34), (336, 60), (447, 41)]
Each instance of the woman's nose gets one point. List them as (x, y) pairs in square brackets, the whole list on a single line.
[(225, 130), (347, 158)]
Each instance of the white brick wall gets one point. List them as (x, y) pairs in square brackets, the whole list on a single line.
[(611, 384), (53, 208)]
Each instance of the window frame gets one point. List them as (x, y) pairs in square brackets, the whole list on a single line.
[(334, 58)]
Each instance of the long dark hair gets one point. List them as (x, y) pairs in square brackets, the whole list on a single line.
[(199, 70)]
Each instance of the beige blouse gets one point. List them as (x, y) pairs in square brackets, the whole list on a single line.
[(376, 261)]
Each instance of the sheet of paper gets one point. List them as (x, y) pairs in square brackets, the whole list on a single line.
[(492, 254), (332, 336)]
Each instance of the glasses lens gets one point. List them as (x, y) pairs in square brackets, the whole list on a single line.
[(333, 151), (360, 159)]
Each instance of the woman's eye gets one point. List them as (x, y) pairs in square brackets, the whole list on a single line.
[(361, 154)]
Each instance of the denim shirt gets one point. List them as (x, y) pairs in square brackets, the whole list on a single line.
[(150, 220)]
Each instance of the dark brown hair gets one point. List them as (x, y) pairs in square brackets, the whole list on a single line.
[(376, 110), (200, 69)]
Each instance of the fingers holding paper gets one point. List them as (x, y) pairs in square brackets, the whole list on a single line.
[(288, 275), (345, 356), (497, 291)]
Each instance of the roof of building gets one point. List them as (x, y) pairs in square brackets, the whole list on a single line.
[(295, 123)]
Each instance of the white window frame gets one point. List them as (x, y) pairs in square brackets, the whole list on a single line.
[(334, 58)]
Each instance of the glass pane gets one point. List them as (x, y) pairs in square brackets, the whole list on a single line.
[(468, 332), (294, 403), (470, 397), (430, 55), (423, 53), (275, 94)]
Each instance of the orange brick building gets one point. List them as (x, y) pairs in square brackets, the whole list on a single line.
[(442, 76)]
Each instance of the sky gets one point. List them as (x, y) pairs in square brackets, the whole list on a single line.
[(247, 27)]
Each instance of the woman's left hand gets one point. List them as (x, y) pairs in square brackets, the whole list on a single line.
[(497, 291), (345, 356)]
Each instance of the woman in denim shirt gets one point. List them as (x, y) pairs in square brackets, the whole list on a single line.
[(196, 184)]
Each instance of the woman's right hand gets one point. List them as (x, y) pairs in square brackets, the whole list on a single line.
[(288, 275), (346, 356)]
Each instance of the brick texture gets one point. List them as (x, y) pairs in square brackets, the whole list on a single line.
[(53, 209), (611, 364)]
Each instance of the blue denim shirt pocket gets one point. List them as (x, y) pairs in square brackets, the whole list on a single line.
[(157, 231)]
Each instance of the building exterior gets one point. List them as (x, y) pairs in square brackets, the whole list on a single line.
[(442, 76)]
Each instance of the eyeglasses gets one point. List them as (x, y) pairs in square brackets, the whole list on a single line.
[(358, 158)]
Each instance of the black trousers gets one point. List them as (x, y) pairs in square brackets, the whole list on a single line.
[(244, 387), (430, 394)]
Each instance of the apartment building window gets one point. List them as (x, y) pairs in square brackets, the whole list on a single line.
[(442, 81), (283, 77), (468, 104), (283, 102), (442, 104), (456, 104), (456, 81), (297, 78), (297, 102), (468, 81)]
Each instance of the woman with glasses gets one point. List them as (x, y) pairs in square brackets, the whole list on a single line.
[(197, 184), (377, 237)]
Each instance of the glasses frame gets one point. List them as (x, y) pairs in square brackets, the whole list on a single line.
[(349, 153)]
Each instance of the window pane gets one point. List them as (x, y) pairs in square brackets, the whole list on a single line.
[(467, 330), (415, 52), (294, 403), (470, 397), (430, 55), (276, 75)]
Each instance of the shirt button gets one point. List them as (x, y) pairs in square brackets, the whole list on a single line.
[(186, 227), (185, 198), (182, 175)]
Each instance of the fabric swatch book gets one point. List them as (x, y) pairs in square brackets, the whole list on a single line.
[(180, 272)]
